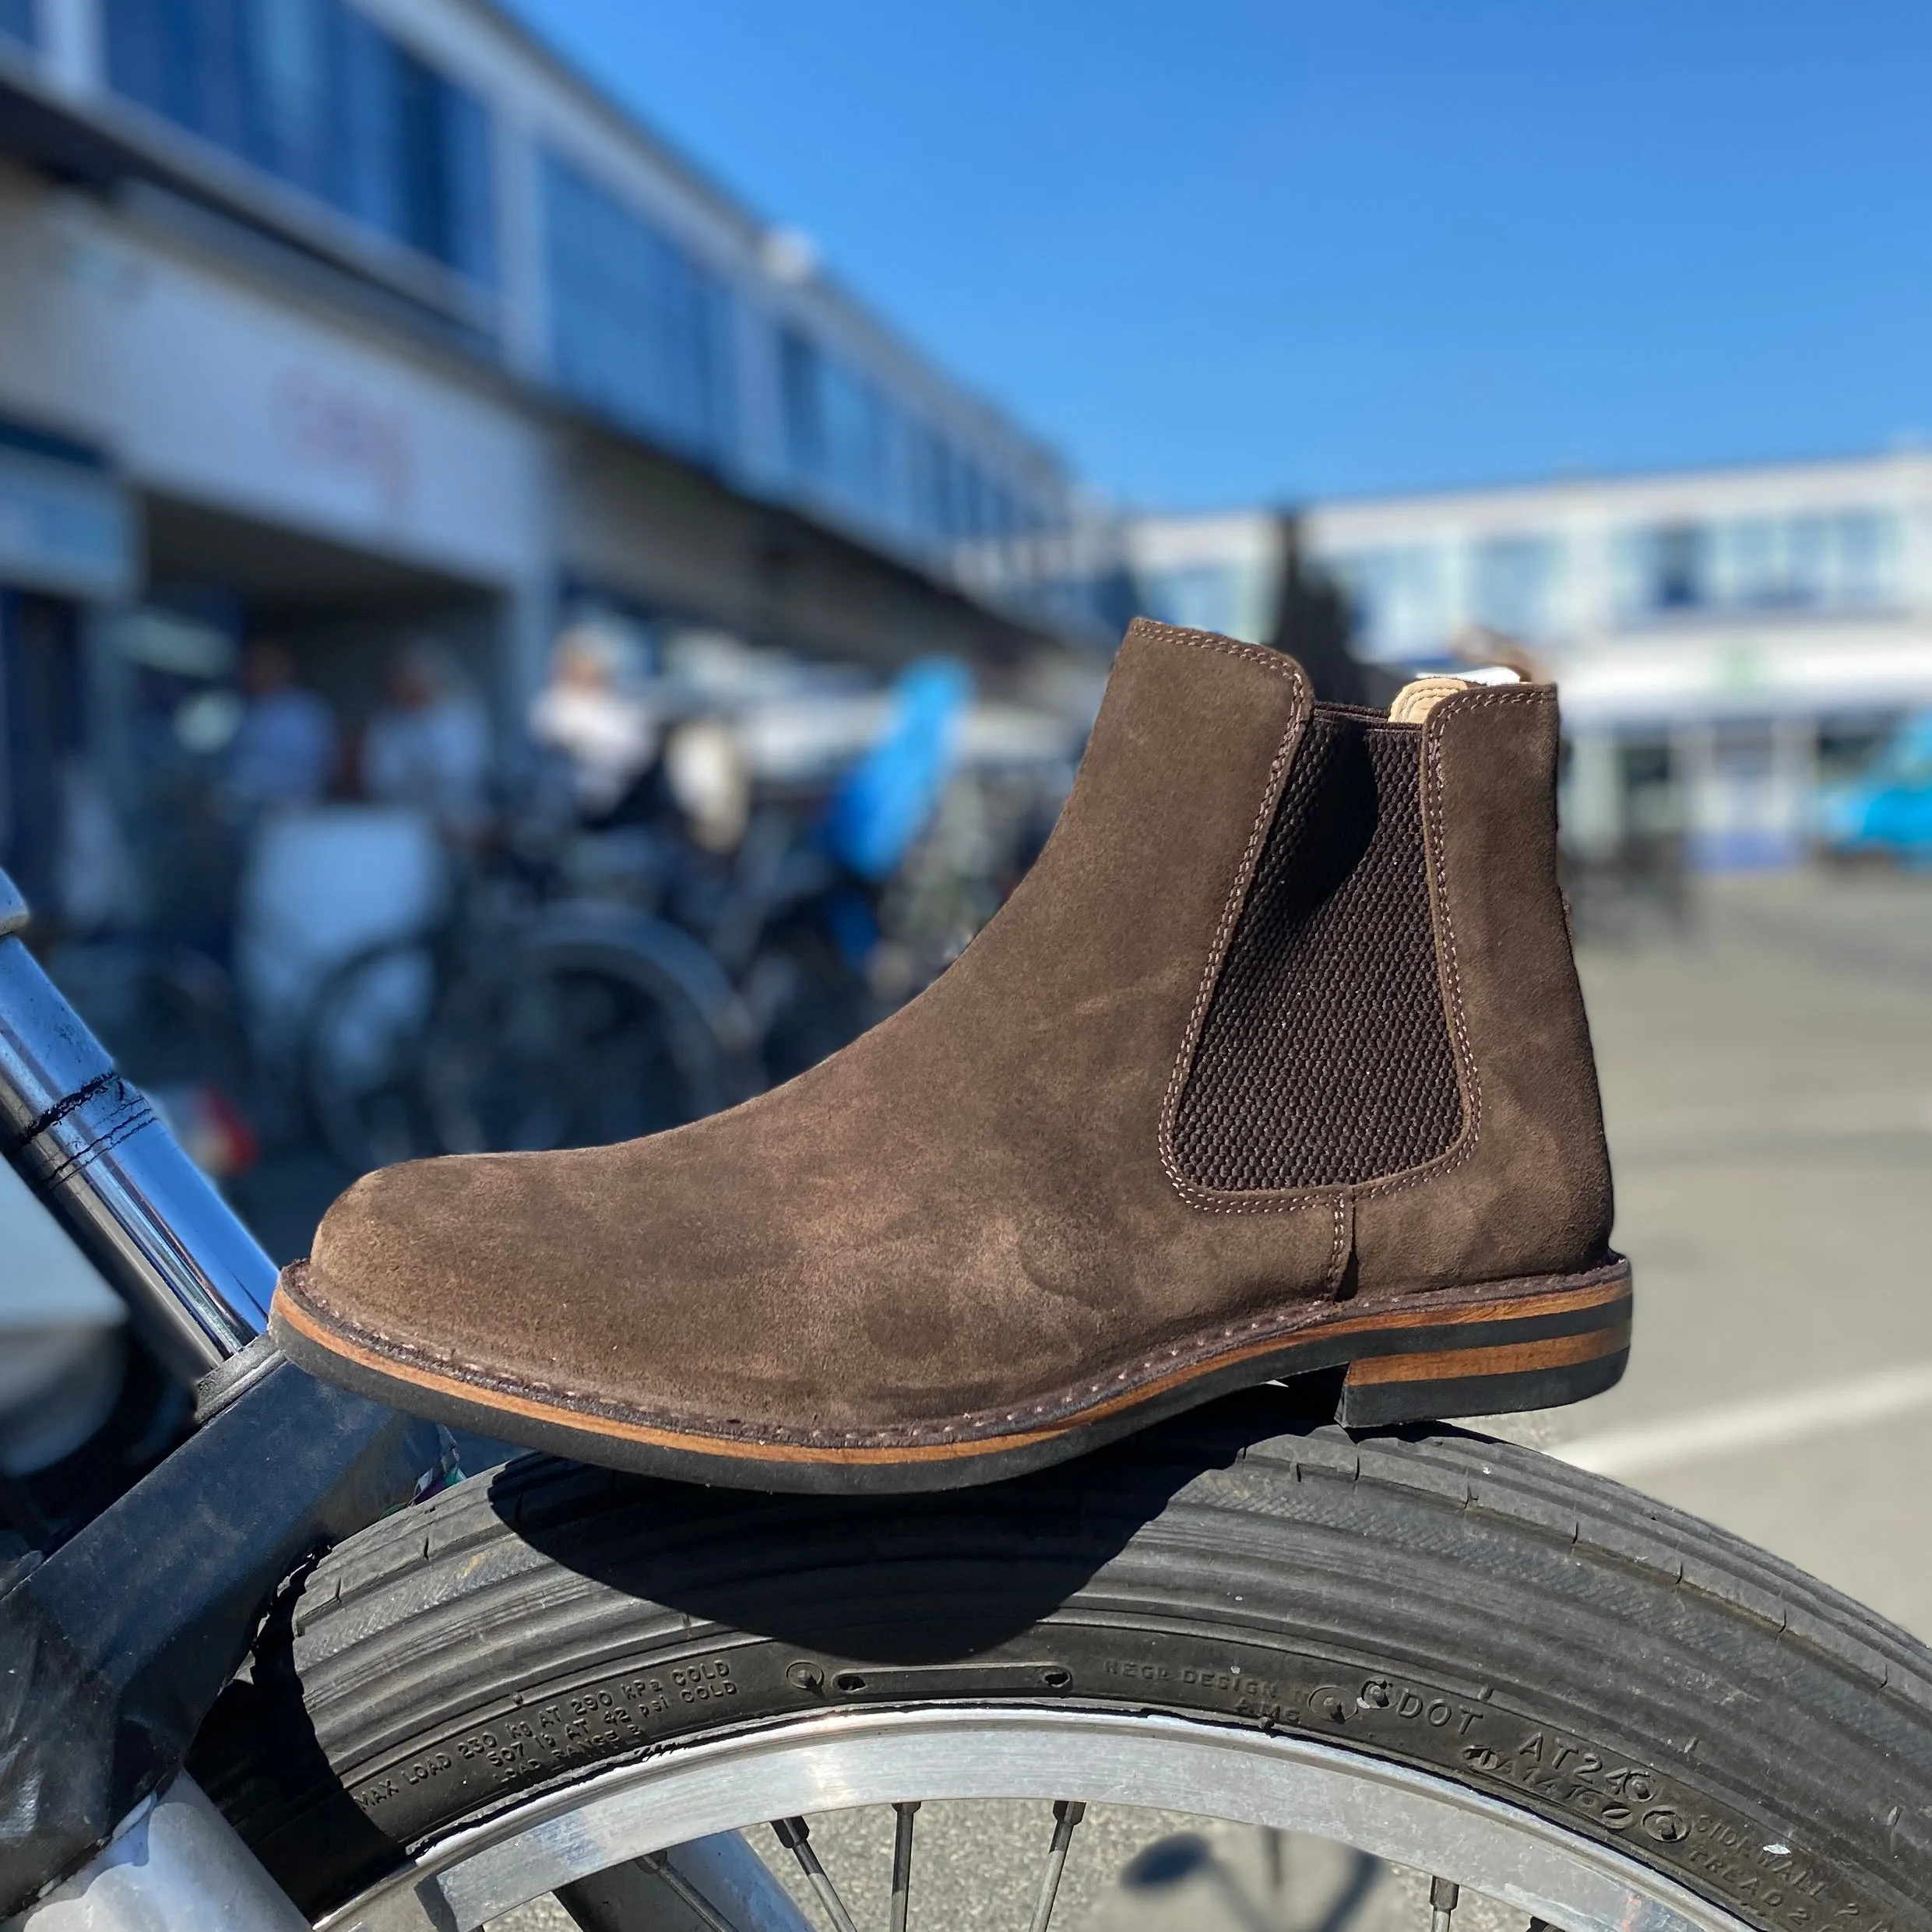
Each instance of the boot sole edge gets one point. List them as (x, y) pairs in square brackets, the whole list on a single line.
[(1539, 1343)]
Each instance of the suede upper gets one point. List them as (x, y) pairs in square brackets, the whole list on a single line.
[(974, 1214)]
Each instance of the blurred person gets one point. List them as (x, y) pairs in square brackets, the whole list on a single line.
[(428, 745), (592, 712), (707, 775), (285, 749), (885, 805), (889, 798)]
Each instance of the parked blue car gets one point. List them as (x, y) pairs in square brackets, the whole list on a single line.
[(1888, 808)]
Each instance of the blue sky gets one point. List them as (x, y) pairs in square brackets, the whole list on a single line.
[(1221, 253)]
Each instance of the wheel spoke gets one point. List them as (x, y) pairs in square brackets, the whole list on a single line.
[(1067, 1813), (1274, 1852), (902, 1862), (793, 1835), (1443, 1897)]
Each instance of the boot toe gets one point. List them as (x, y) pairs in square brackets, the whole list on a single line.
[(409, 1254), (602, 1280)]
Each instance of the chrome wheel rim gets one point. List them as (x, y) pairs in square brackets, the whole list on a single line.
[(838, 1762)]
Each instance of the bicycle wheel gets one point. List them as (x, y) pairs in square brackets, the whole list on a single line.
[(362, 1055), (1469, 1662), (574, 1041)]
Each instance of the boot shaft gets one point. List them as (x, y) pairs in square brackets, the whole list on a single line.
[(1386, 1020)]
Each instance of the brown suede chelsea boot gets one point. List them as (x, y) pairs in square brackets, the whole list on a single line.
[(1275, 1062)]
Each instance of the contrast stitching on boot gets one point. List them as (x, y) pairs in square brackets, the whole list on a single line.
[(1062, 1404), (1289, 1201), (1268, 661), (1338, 1247), (1203, 1197)]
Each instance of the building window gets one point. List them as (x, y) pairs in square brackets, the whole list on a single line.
[(938, 507), (16, 19), (855, 437), (639, 330), (1399, 597), (312, 93), (1515, 584), (1845, 560), (1819, 561), (1679, 561), (843, 438), (1231, 596), (801, 401)]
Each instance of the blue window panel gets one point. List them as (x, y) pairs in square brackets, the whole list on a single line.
[(1871, 557), (288, 78), (931, 465), (412, 151), (949, 496), (972, 500), (468, 174), (185, 59), (314, 94), (1678, 561), (801, 403), (1223, 597), (1823, 561), (1748, 562), (16, 19), (152, 54), (364, 179), (1398, 597), (855, 429), (1513, 584), (442, 149), (639, 330)]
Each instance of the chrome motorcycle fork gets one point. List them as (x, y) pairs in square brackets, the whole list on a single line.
[(196, 1283), (197, 1286)]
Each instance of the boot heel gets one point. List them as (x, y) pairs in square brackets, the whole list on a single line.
[(1539, 1352)]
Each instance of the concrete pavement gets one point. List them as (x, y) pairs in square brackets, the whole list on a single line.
[(1767, 1087)]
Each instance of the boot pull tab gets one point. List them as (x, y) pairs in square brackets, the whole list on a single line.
[(1416, 699), (1414, 702)]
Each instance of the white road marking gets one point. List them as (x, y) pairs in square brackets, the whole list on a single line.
[(1767, 1422)]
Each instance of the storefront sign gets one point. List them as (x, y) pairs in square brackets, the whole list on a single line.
[(214, 389)]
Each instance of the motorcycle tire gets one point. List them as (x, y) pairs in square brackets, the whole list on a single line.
[(1424, 1597)]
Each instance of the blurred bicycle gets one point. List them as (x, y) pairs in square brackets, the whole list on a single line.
[(588, 986)]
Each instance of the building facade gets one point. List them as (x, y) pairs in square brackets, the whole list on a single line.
[(1725, 640), (347, 320)]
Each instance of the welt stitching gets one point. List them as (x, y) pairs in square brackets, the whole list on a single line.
[(1061, 1402), (1154, 1358)]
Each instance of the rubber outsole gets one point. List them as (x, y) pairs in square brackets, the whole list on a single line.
[(1488, 1350)]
